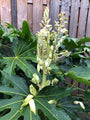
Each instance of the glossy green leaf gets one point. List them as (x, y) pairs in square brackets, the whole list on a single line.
[(75, 75), (19, 92), (51, 111), (80, 74), (87, 95), (54, 92), (26, 32), (70, 108), (21, 52), (70, 43), (83, 40)]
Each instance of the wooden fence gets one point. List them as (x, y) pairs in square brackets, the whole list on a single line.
[(77, 12)]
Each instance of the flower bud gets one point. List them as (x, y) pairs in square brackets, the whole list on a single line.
[(26, 101), (81, 104), (46, 63), (50, 55), (36, 78), (52, 47), (55, 81), (64, 30), (48, 82), (33, 90), (32, 106), (53, 102), (33, 80)]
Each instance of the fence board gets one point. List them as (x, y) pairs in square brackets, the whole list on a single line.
[(88, 24), (65, 8), (54, 10), (21, 12), (48, 4), (6, 10), (30, 15), (37, 14), (74, 18), (83, 17), (45, 2)]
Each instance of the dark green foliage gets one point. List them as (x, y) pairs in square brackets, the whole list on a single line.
[(18, 54)]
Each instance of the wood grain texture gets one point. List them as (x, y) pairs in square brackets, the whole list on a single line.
[(6, 10), (83, 17), (45, 2), (30, 16), (37, 14), (88, 24), (48, 4), (65, 8), (21, 12), (54, 11), (74, 18)]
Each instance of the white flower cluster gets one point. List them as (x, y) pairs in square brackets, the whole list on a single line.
[(50, 40)]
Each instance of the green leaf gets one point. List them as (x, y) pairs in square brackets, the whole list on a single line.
[(54, 92), (70, 43), (83, 40), (18, 93), (80, 75), (51, 111), (70, 108), (1, 30), (26, 32), (87, 95), (21, 53)]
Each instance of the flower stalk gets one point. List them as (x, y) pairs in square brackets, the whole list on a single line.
[(49, 42)]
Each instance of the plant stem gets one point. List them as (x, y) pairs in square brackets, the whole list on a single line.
[(76, 87), (44, 78), (80, 89), (73, 84)]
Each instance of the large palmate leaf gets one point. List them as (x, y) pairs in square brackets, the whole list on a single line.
[(21, 53), (70, 108), (80, 74), (18, 91), (51, 111), (22, 49), (54, 92)]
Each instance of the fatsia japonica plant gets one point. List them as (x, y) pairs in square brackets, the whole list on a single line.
[(31, 66)]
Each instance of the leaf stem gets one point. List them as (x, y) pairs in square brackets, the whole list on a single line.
[(73, 84), (44, 77), (76, 87)]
